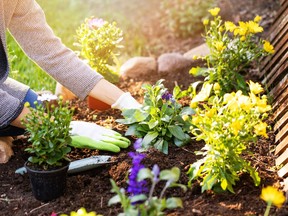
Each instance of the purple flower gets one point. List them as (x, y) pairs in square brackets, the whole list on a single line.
[(138, 143), (136, 187), (156, 171), (95, 23), (168, 97)]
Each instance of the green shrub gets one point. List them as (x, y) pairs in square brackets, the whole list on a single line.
[(184, 17)]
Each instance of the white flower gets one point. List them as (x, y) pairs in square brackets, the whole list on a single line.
[(47, 97)]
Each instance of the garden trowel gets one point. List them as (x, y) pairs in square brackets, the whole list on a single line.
[(81, 165)]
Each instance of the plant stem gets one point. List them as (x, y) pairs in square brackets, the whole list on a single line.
[(268, 209)]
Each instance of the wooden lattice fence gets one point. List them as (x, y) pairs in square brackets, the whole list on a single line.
[(274, 73)]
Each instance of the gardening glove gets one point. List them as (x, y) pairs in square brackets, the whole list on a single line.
[(126, 101), (92, 136), (5, 149)]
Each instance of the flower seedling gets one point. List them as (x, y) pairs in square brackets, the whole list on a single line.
[(228, 125), (159, 121), (99, 41), (272, 196), (232, 49), (48, 127), (139, 199)]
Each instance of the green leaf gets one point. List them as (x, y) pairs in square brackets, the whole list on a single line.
[(150, 136), (137, 198), (153, 123), (172, 174), (177, 132), (159, 144), (114, 200), (144, 173), (174, 202), (132, 130), (187, 111)]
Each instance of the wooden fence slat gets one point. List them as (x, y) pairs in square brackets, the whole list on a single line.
[(278, 19), (283, 171), (282, 2), (282, 159), (281, 122), (281, 146), (278, 45), (277, 72), (281, 134), (278, 88), (280, 99), (280, 111)]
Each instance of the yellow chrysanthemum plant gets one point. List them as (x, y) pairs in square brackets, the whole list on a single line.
[(272, 196), (233, 48), (100, 44), (228, 125)]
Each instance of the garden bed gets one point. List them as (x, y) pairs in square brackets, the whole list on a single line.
[(92, 189)]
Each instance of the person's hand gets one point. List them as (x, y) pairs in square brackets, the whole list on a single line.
[(126, 101), (5, 149), (92, 136)]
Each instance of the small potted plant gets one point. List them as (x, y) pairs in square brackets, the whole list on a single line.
[(48, 129), (99, 42)]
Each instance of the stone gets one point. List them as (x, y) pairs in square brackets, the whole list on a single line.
[(138, 66), (201, 50), (173, 63), (6, 149)]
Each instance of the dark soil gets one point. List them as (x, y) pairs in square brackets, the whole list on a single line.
[(91, 189)]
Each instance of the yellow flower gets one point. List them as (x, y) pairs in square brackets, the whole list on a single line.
[(268, 47), (216, 87), (210, 113), (185, 117), (257, 18), (193, 105), (241, 30), (204, 94), (236, 127), (230, 26), (262, 105), (27, 104), (195, 57), (215, 11), (243, 38), (260, 129), (272, 195), (227, 97), (254, 27), (195, 120), (255, 88), (219, 45), (245, 103), (82, 212), (205, 22)]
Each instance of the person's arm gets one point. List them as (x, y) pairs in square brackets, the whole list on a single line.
[(112, 95), (18, 121), (106, 92), (29, 27)]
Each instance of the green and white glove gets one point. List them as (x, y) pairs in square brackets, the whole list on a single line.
[(92, 136), (126, 101)]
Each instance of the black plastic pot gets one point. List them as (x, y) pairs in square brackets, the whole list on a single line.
[(47, 185)]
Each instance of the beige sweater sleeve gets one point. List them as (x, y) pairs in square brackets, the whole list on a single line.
[(29, 27)]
